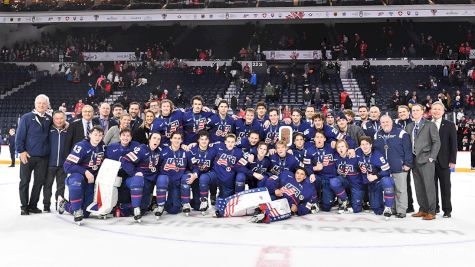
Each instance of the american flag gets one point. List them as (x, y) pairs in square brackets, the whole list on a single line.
[(290, 191), (169, 166), (229, 210), (223, 162), (272, 211)]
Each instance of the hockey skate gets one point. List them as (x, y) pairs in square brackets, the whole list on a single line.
[(343, 207), (158, 211), (186, 209), (78, 216), (204, 206), (315, 209), (137, 215), (387, 213), (61, 204)]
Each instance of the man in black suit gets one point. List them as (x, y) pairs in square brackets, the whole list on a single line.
[(78, 129), (103, 119), (134, 111), (446, 159)]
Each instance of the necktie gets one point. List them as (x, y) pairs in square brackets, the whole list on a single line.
[(416, 129), (88, 129)]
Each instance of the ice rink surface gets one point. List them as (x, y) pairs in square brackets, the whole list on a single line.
[(324, 239)]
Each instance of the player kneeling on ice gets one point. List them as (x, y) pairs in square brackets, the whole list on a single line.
[(228, 173), (173, 176), (82, 165), (349, 177), (297, 189), (141, 165), (375, 172)]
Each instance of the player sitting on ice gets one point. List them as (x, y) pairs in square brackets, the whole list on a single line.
[(296, 189), (82, 165), (375, 172)]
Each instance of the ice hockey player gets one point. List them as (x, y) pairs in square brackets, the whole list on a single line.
[(259, 164), (221, 124), (270, 134), (195, 120), (169, 121), (348, 178), (247, 124), (82, 165), (141, 165), (174, 178), (375, 172)]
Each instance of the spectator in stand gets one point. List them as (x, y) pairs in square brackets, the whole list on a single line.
[(343, 97), (243, 54), (269, 92), (164, 95), (11, 145), (457, 104), (395, 100), (307, 97), (363, 49), (78, 108), (286, 112)]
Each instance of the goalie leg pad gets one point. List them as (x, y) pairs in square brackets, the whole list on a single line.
[(76, 185)]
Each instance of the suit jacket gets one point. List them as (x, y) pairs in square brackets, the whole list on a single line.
[(427, 141), (448, 148), (97, 121), (75, 135)]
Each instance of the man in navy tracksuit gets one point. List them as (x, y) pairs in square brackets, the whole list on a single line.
[(32, 144), (395, 144), (57, 135)]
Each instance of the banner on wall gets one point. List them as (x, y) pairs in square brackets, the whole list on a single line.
[(109, 56), (295, 54)]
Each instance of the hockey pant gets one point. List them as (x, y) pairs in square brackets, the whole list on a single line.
[(328, 196), (381, 194), (169, 193), (340, 184), (226, 187), (81, 193)]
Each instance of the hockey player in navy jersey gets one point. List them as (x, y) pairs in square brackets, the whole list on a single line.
[(221, 124), (297, 189), (375, 172), (258, 163), (330, 133), (247, 124), (82, 165), (349, 177), (304, 152), (141, 165), (283, 161), (228, 173), (174, 178), (169, 121), (299, 126), (325, 168), (270, 134), (202, 157), (195, 120), (261, 110), (249, 144)]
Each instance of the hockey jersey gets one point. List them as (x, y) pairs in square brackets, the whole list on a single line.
[(202, 160), (85, 157), (243, 129), (228, 162), (220, 128), (347, 167), (142, 159), (174, 163), (166, 125), (326, 156), (374, 163), (270, 135), (287, 163), (192, 123)]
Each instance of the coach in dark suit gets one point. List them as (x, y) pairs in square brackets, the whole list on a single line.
[(425, 147), (78, 129), (104, 120), (447, 157)]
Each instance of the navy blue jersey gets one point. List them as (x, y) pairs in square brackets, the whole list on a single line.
[(85, 157), (288, 163), (246, 147), (228, 162), (325, 156), (263, 120), (371, 127), (351, 143), (174, 163), (202, 159), (373, 163), (270, 135), (243, 129), (116, 151), (303, 194), (402, 124), (220, 128), (141, 159), (303, 128), (346, 166), (330, 133), (305, 156), (260, 166), (192, 123), (166, 125)]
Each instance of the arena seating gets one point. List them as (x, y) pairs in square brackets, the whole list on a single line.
[(11, 76)]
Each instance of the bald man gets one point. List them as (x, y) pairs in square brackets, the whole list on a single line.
[(104, 119), (373, 125)]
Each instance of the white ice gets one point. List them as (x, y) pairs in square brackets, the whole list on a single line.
[(324, 239)]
